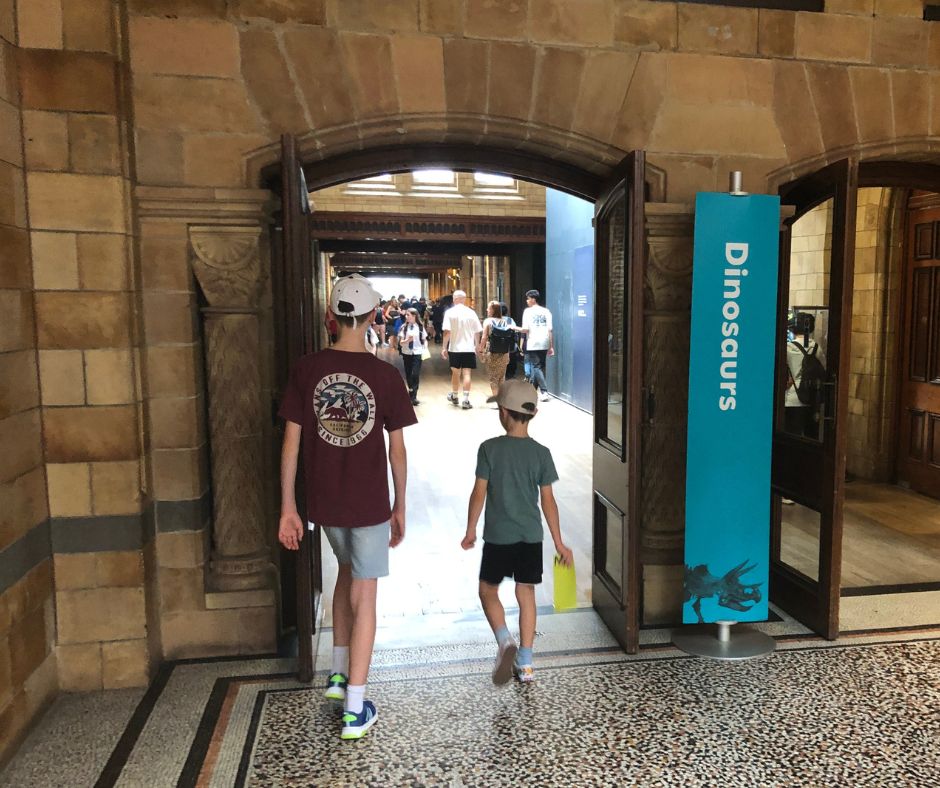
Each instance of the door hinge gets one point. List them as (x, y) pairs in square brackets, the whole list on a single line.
[(649, 404)]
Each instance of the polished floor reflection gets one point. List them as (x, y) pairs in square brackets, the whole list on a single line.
[(429, 572), (891, 537)]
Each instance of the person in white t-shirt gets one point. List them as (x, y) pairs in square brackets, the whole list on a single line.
[(540, 341), (462, 331), (412, 339)]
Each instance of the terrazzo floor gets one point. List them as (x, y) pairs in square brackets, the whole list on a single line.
[(862, 710)]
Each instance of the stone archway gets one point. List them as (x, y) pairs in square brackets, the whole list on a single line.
[(537, 142)]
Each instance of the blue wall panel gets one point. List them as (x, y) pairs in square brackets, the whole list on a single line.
[(569, 277)]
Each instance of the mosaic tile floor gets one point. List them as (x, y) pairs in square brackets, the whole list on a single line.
[(864, 710)]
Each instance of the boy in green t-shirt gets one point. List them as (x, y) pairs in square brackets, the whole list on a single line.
[(513, 472)]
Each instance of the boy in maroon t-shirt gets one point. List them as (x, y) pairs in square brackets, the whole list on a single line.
[(340, 399)]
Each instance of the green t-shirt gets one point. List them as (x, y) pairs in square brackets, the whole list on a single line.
[(515, 468)]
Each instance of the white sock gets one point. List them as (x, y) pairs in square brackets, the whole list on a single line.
[(355, 695), (455, 394), (466, 396), (341, 660)]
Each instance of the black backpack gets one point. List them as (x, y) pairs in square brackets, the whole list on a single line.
[(812, 375), (502, 338)]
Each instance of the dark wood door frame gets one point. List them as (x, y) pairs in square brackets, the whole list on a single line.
[(893, 174), (616, 464), (465, 158), (292, 287), (810, 472), (362, 164)]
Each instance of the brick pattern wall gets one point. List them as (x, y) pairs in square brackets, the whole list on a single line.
[(704, 89), (872, 385), (810, 250), (78, 176), (870, 418), (27, 611)]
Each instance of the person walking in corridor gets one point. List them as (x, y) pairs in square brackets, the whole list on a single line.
[(496, 344), (513, 473), (340, 399), (413, 340), (540, 341), (462, 331)]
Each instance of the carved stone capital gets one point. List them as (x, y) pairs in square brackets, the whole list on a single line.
[(227, 262), (668, 285)]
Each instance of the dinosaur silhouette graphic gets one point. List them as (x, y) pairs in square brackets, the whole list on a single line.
[(731, 592)]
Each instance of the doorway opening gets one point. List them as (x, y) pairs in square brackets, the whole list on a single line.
[(860, 313), (422, 234), (300, 286)]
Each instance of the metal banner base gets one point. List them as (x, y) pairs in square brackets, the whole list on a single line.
[(721, 644)]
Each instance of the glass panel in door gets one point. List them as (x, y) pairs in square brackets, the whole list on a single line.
[(807, 329)]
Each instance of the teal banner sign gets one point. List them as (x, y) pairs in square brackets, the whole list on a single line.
[(731, 368)]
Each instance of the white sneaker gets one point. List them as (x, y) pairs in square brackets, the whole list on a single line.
[(502, 668), (523, 673), (545, 396)]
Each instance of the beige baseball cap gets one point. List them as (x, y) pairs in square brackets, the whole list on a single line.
[(516, 395)]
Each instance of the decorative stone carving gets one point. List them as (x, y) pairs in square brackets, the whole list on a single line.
[(667, 303), (227, 264)]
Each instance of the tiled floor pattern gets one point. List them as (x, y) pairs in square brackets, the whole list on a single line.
[(861, 716), (864, 710)]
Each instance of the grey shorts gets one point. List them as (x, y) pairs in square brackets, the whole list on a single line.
[(365, 548)]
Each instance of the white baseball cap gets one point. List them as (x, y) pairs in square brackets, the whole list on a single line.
[(353, 295), (516, 395)]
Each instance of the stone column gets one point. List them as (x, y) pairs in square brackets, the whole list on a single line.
[(227, 264), (667, 316)]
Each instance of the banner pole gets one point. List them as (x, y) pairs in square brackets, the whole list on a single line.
[(697, 640)]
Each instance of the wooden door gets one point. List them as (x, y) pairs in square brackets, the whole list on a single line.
[(808, 468), (620, 249), (295, 322), (918, 462)]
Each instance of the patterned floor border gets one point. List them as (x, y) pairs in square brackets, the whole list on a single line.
[(228, 696)]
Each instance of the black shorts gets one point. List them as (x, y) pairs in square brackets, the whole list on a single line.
[(522, 561), (462, 360)]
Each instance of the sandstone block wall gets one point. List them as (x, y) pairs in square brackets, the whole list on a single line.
[(125, 114), (27, 607), (78, 176)]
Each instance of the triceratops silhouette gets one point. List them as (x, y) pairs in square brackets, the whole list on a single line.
[(731, 592)]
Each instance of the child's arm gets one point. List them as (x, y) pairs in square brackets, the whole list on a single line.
[(477, 499), (550, 510), (290, 529), (398, 460)]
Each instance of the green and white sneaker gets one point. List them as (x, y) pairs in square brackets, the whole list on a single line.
[(336, 686), (355, 726)]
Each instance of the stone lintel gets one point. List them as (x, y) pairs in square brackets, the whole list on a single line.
[(205, 205)]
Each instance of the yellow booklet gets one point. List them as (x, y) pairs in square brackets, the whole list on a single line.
[(566, 590)]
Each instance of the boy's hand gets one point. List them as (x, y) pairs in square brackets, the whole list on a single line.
[(564, 554), (444, 353), (290, 531), (469, 540), (397, 523)]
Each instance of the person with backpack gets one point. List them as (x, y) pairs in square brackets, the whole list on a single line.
[(413, 342), (496, 343), (806, 374)]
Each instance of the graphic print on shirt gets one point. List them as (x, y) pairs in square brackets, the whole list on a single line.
[(345, 408)]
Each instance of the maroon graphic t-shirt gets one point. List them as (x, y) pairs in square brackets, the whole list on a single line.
[(343, 401)]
